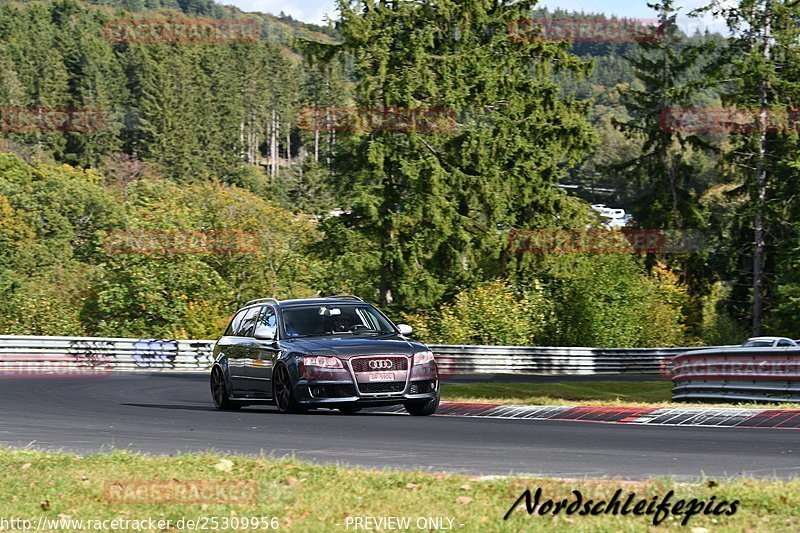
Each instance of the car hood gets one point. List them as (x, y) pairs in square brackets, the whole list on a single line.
[(346, 346)]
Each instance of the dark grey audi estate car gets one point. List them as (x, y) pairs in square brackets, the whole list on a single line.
[(337, 352)]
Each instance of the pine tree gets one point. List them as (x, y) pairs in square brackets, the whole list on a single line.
[(491, 136), (761, 60), (664, 68)]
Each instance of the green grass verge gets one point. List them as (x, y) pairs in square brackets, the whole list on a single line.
[(308, 497), (605, 393)]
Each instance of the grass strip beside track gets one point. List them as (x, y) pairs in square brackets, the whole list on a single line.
[(309, 497), (601, 393)]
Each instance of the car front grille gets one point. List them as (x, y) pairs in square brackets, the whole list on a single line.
[(332, 391), (422, 387), (378, 388), (361, 365)]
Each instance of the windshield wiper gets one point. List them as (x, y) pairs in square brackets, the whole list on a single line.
[(378, 331), (332, 333)]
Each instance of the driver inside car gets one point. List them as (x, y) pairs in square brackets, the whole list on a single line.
[(340, 323)]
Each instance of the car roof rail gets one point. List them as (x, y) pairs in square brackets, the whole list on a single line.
[(260, 300), (345, 297)]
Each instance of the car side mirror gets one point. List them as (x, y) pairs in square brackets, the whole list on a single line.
[(405, 329), (264, 335)]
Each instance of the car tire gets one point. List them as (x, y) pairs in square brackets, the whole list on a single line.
[(348, 410), (283, 392), (423, 408), (219, 392)]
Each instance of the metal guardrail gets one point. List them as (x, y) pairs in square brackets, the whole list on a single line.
[(552, 360), (19, 354), (737, 374), (714, 374)]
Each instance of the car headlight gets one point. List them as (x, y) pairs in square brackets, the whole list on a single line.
[(321, 361), (423, 358)]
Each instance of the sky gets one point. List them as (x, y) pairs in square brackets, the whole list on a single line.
[(315, 10)]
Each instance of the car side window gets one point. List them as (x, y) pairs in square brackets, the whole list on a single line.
[(247, 324), (235, 323), (266, 325), (784, 342)]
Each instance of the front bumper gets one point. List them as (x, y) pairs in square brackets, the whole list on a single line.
[(333, 393), (348, 387)]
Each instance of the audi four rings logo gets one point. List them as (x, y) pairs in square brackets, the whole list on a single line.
[(380, 364)]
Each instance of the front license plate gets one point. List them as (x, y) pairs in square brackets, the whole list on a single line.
[(382, 376)]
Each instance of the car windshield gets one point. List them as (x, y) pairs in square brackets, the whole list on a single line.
[(757, 344), (316, 320)]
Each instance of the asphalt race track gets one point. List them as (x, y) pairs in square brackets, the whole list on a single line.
[(166, 414)]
